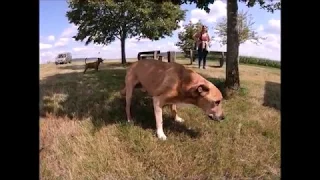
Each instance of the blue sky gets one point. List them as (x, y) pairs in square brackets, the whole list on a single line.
[(56, 33)]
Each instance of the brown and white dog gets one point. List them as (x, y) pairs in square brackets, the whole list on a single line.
[(92, 65), (169, 84)]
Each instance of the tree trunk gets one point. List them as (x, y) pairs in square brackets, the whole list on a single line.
[(191, 56), (232, 70), (222, 59), (123, 50)]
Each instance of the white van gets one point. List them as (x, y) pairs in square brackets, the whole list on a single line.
[(63, 58)]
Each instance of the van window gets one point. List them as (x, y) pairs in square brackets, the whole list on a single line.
[(61, 56)]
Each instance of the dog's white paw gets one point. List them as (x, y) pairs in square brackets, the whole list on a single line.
[(178, 119), (161, 135)]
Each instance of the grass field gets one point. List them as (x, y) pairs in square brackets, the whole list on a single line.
[(213, 56), (83, 133)]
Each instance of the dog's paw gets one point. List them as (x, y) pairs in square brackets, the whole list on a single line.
[(130, 121), (161, 135), (178, 119)]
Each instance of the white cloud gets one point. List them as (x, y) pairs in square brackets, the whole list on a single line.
[(135, 40), (194, 20), (269, 48), (45, 46), (217, 10), (51, 38), (274, 26), (260, 28), (106, 48), (70, 31), (77, 49), (47, 56), (171, 46), (62, 42), (181, 26)]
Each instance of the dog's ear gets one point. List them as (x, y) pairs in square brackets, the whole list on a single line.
[(200, 90)]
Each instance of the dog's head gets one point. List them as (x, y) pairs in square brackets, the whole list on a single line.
[(209, 99), (100, 60)]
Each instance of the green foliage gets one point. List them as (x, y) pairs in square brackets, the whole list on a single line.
[(204, 4), (269, 5), (101, 22), (213, 56), (245, 29), (260, 61), (186, 41)]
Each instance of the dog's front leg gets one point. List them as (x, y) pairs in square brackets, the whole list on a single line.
[(175, 113), (158, 115)]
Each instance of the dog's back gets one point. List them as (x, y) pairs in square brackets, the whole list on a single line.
[(158, 77)]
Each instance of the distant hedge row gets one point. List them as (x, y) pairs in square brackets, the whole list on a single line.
[(243, 60), (260, 61)]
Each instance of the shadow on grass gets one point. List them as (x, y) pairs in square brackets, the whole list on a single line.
[(72, 67), (102, 66), (215, 66), (272, 95), (218, 82), (95, 95)]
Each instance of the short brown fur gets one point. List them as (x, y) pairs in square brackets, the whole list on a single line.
[(92, 65), (172, 83)]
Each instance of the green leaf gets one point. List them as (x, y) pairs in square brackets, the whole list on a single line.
[(104, 21)]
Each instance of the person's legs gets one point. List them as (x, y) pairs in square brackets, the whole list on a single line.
[(200, 55), (204, 57)]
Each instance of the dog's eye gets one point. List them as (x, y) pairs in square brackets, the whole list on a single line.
[(217, 103)]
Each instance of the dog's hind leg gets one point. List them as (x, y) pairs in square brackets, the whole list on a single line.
[(85, 69), (175, 113), (130, 83)]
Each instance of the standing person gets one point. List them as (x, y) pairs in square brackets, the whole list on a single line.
[(202, 39)]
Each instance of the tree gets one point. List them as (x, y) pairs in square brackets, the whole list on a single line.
[(101, 22), (232, 82), (186, 41), (232, 71), (246, 32), (204, 4)]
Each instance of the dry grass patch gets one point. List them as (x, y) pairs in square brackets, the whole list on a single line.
[(83, 134)]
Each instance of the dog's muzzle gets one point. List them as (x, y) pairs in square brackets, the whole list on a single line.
[(216, 118)]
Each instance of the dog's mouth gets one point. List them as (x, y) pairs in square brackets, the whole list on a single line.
[(215, 118)]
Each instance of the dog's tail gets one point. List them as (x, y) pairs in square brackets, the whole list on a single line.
[(85, 60)]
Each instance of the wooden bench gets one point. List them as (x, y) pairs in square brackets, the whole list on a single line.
[(170, 55), (148, 54), (193, 54)]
